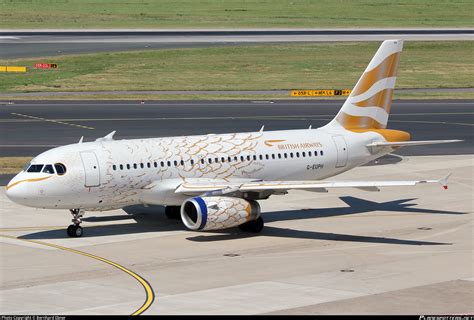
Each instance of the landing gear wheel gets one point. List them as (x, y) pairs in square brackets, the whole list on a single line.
[(75, 231), (78, 231), (173, 212), (254, 226), (69, 230)]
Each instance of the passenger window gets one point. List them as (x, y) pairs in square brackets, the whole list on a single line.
[(192, 162), (182, 162), (148, 165), (229, 159), (141, 165), (261, 157), (121, 167), (321, 152), (114, 167), (222, 159), (297, 154), (202, 161), (309, 153), (162, 164), (217, 160), (267, 157), (60, 168), (291, 154), (248, 158), (316, 153), (175, 163), (48, 169), (134, 166), (168, 163), (242, 158), (303, 154), (279, 156), (286, 155), (273, 156), (254, 157), (35, 168), (155, 164), (128, 166)]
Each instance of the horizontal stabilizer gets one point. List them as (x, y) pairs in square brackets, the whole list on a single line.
[(408, 143)]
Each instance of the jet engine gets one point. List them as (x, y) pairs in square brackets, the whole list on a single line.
[(215, 213)]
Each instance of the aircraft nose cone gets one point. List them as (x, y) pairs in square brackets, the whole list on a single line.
[(15, 191)]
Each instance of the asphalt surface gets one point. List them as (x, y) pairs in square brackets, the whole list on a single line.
[(30, 128), (16, 50), (29, 43)]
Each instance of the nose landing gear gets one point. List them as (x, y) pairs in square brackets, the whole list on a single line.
[(75, 230)]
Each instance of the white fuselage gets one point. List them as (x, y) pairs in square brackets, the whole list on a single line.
[(109, 174)]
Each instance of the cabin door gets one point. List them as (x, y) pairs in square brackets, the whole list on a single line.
[(91, 169)]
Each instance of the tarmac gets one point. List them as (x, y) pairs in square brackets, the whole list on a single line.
[(37, 43), (399, 251)]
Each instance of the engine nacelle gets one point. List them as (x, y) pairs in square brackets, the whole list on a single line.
[(215, 213)]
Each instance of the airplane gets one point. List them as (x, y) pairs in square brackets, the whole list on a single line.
[(214, 181)]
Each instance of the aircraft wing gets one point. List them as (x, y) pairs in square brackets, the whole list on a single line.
[(221, 188)]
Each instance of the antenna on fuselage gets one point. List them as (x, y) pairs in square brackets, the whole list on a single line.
[(261, 129), (310, 127), (80, 140), (108, 137)]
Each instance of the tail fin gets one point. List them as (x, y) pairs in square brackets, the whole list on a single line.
[(368, 105)]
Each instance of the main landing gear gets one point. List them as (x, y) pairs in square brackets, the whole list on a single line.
[(75, 230), (254, 226), (173, 212)]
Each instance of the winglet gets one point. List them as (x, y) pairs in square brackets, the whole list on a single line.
[(444, 181)]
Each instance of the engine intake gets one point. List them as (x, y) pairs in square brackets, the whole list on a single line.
[(216, 213)]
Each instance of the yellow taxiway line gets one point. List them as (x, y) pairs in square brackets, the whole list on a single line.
[(51, 120), (150, 295)]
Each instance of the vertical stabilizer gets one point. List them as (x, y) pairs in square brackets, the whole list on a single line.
[(368, 105)]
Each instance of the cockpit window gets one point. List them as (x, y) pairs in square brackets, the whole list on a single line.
[(60, 168), (35, 168), (48, 169)]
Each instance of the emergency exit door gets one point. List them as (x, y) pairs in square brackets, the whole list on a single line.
[(91, 169)]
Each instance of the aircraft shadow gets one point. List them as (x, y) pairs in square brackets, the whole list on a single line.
[(355, 205), (269, 231), (152, 219), (146, 219)]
